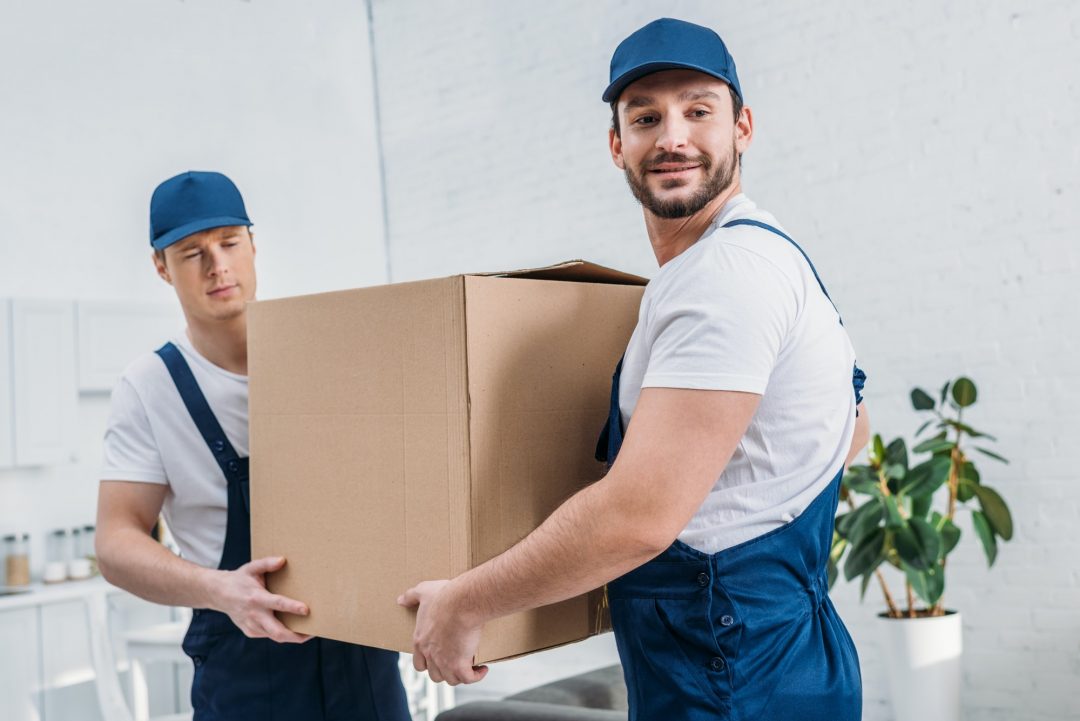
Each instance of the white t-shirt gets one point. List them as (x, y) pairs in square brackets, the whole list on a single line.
[(151, 438), (740, 310)]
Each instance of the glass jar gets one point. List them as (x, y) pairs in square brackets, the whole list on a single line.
[(78, 565), (89, 536), (17, 560), (57, 555)]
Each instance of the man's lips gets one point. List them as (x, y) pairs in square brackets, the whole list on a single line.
[(673, 170), (222, 291)]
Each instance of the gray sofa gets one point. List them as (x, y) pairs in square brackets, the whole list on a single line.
[(598, 695)]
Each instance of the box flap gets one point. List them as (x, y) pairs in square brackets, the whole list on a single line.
[(580, 271)]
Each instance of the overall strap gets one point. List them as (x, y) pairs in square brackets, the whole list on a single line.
[(196, 404), (788, 238), (858, 377)]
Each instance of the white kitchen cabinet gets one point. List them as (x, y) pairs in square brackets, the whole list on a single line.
[(44, 385), (7, 409), (114, 333), (20, 665)]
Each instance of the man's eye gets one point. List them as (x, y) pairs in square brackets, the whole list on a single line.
[(230, 244), (196, 254), (700, 113), (645, 119)]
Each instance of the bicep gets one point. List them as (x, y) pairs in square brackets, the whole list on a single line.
[(126, 504), (677, 444)]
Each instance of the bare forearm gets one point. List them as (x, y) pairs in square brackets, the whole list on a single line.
[(132, 560), (588, 541)]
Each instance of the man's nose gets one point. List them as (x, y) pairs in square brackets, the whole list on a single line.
[(215, 259), (673, 134)]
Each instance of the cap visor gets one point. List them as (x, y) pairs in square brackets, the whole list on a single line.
[(177, 234), (613, 91)]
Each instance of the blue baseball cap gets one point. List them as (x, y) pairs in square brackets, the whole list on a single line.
[(668, 44), (191, 202)]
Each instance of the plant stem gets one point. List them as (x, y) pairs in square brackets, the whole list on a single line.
[(894, 612), (910, 601)]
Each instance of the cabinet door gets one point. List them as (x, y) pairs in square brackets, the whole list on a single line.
[(7, 409), (20, 665), (46, 396), (112, 334)]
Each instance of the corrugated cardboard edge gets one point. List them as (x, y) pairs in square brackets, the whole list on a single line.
[(460, 518), (582, 271)]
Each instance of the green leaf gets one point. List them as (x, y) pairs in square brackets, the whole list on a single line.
[(893, 519), (929, 584), (923, 427), (896, 453), (993, 455), (920, 505), (866, 555), (996, 512), (927, 477), (917, 543), (944, 392), (963, 392), (934, 445), (950, 536), (921, 400), (965, 490), (986, 536), (879, 449), (968, 472), (968, 429), (862, 587), (861, 479), (856, 523)]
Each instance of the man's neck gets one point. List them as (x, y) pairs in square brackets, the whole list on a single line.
[(672, 236), (223, 343)]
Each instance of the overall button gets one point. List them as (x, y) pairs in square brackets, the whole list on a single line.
[(703, 579), (726, 620), (233, 465), (717, 664), (197, 660), (219, 446)]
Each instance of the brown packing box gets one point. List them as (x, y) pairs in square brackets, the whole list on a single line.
[(410, 432)]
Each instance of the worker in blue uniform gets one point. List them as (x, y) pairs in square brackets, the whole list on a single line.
[(176, 444), (734, 412)]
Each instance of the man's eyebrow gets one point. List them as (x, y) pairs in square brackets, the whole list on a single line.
[(698, 95), (639, 101)]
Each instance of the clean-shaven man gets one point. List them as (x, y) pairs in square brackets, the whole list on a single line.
[(177, 444), (737, 397)]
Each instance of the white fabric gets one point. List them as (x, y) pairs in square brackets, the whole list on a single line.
[(151, 438), (740, 310)]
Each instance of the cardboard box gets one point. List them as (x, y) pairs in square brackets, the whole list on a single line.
[(412, 431)]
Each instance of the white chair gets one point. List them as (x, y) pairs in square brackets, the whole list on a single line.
[(111, 700)]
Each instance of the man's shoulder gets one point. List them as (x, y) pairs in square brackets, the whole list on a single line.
[(146, 371)]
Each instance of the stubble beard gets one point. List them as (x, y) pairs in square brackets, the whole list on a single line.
[(715, 183)]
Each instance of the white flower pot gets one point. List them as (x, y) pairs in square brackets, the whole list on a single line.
[(922, 661)]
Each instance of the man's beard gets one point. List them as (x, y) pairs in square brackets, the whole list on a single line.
[(715, 183)]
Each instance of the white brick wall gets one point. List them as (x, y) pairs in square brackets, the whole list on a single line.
[(926, 155)]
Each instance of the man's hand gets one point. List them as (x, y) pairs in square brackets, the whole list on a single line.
[(243, 596), (445, 640)]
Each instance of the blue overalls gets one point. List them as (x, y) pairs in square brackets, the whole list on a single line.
[(745, 634), (239, 678)]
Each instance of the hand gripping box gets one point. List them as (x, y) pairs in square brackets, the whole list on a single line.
[(412, 431)]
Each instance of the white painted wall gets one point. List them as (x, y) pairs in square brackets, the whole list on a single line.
[(926, 155), (101, 101)]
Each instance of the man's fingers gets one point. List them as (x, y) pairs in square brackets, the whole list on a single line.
[(266, 565), (418, 661), (277, 631), (410, 598), (283, 604)]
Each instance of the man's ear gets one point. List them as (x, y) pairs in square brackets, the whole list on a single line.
[(615, 145), (744, 130), (160, 266)]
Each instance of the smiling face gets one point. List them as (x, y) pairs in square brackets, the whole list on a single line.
[(679, 141), (213, 272)]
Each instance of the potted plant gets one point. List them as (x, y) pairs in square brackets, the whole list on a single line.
[(888, 516)]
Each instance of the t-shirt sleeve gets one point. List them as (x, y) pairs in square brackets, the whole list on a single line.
[(131, 453), (722, 325)]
